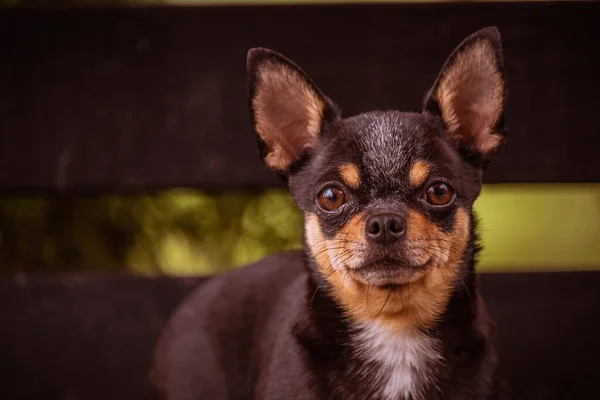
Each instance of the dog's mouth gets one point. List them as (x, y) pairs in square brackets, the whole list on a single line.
[(389, 273)]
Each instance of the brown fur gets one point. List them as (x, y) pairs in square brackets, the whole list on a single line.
[(350, 175), (419, 172), (470, 96), (288, 114), (420, 302)]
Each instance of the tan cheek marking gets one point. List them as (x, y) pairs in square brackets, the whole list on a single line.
[(329, 254), (352, 230), (350, 175), (316, 242), (334, 253), (418, 173), (421, 233)]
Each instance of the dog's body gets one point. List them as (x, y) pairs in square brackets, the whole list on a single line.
[(383, 302), (261, 343)]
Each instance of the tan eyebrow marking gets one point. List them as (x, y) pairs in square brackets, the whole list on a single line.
[(418, 173), (350, 175)]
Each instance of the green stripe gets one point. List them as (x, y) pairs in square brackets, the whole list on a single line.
[(535, 227)]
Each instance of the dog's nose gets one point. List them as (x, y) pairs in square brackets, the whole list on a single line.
[(385, 228)]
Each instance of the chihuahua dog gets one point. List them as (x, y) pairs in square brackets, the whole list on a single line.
[(382, 303)]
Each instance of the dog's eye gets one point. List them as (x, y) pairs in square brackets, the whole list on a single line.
[(439, 194), (331, 198)]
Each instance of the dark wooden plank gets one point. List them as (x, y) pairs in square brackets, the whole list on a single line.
[(82, 337), (96, 99), (547, 331), (91, 336)]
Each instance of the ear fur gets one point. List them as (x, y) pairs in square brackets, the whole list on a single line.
[(288, 110), (470, 96)]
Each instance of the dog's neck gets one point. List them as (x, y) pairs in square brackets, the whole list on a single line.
[(367, 359)]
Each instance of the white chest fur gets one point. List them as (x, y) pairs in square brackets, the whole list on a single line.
[(405, 360)]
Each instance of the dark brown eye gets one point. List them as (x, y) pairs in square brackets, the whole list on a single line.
[(331, 198), (439, 194)]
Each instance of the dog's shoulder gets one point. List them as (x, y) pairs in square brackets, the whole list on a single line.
[(209, 326), (259, 282), (237, 295)]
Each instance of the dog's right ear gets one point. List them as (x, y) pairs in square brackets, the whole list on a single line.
[(288, 110)]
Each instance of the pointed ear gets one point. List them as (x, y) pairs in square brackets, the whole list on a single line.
[(288, 110), (470, 96)]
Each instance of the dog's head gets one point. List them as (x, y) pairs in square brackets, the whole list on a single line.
[(387, 196)]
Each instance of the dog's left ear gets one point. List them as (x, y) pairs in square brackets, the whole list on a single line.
[(288, 110), (470, 96)]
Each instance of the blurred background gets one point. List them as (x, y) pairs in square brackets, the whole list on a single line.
[(526, 227), (186, 232)]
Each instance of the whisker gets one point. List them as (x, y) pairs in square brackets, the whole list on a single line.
[(330, 248), (385, 302), (323, 280), (445, 267)]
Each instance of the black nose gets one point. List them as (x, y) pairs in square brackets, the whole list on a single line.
[(385, 228)]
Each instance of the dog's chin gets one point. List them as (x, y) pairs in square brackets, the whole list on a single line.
[(389, 274)]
